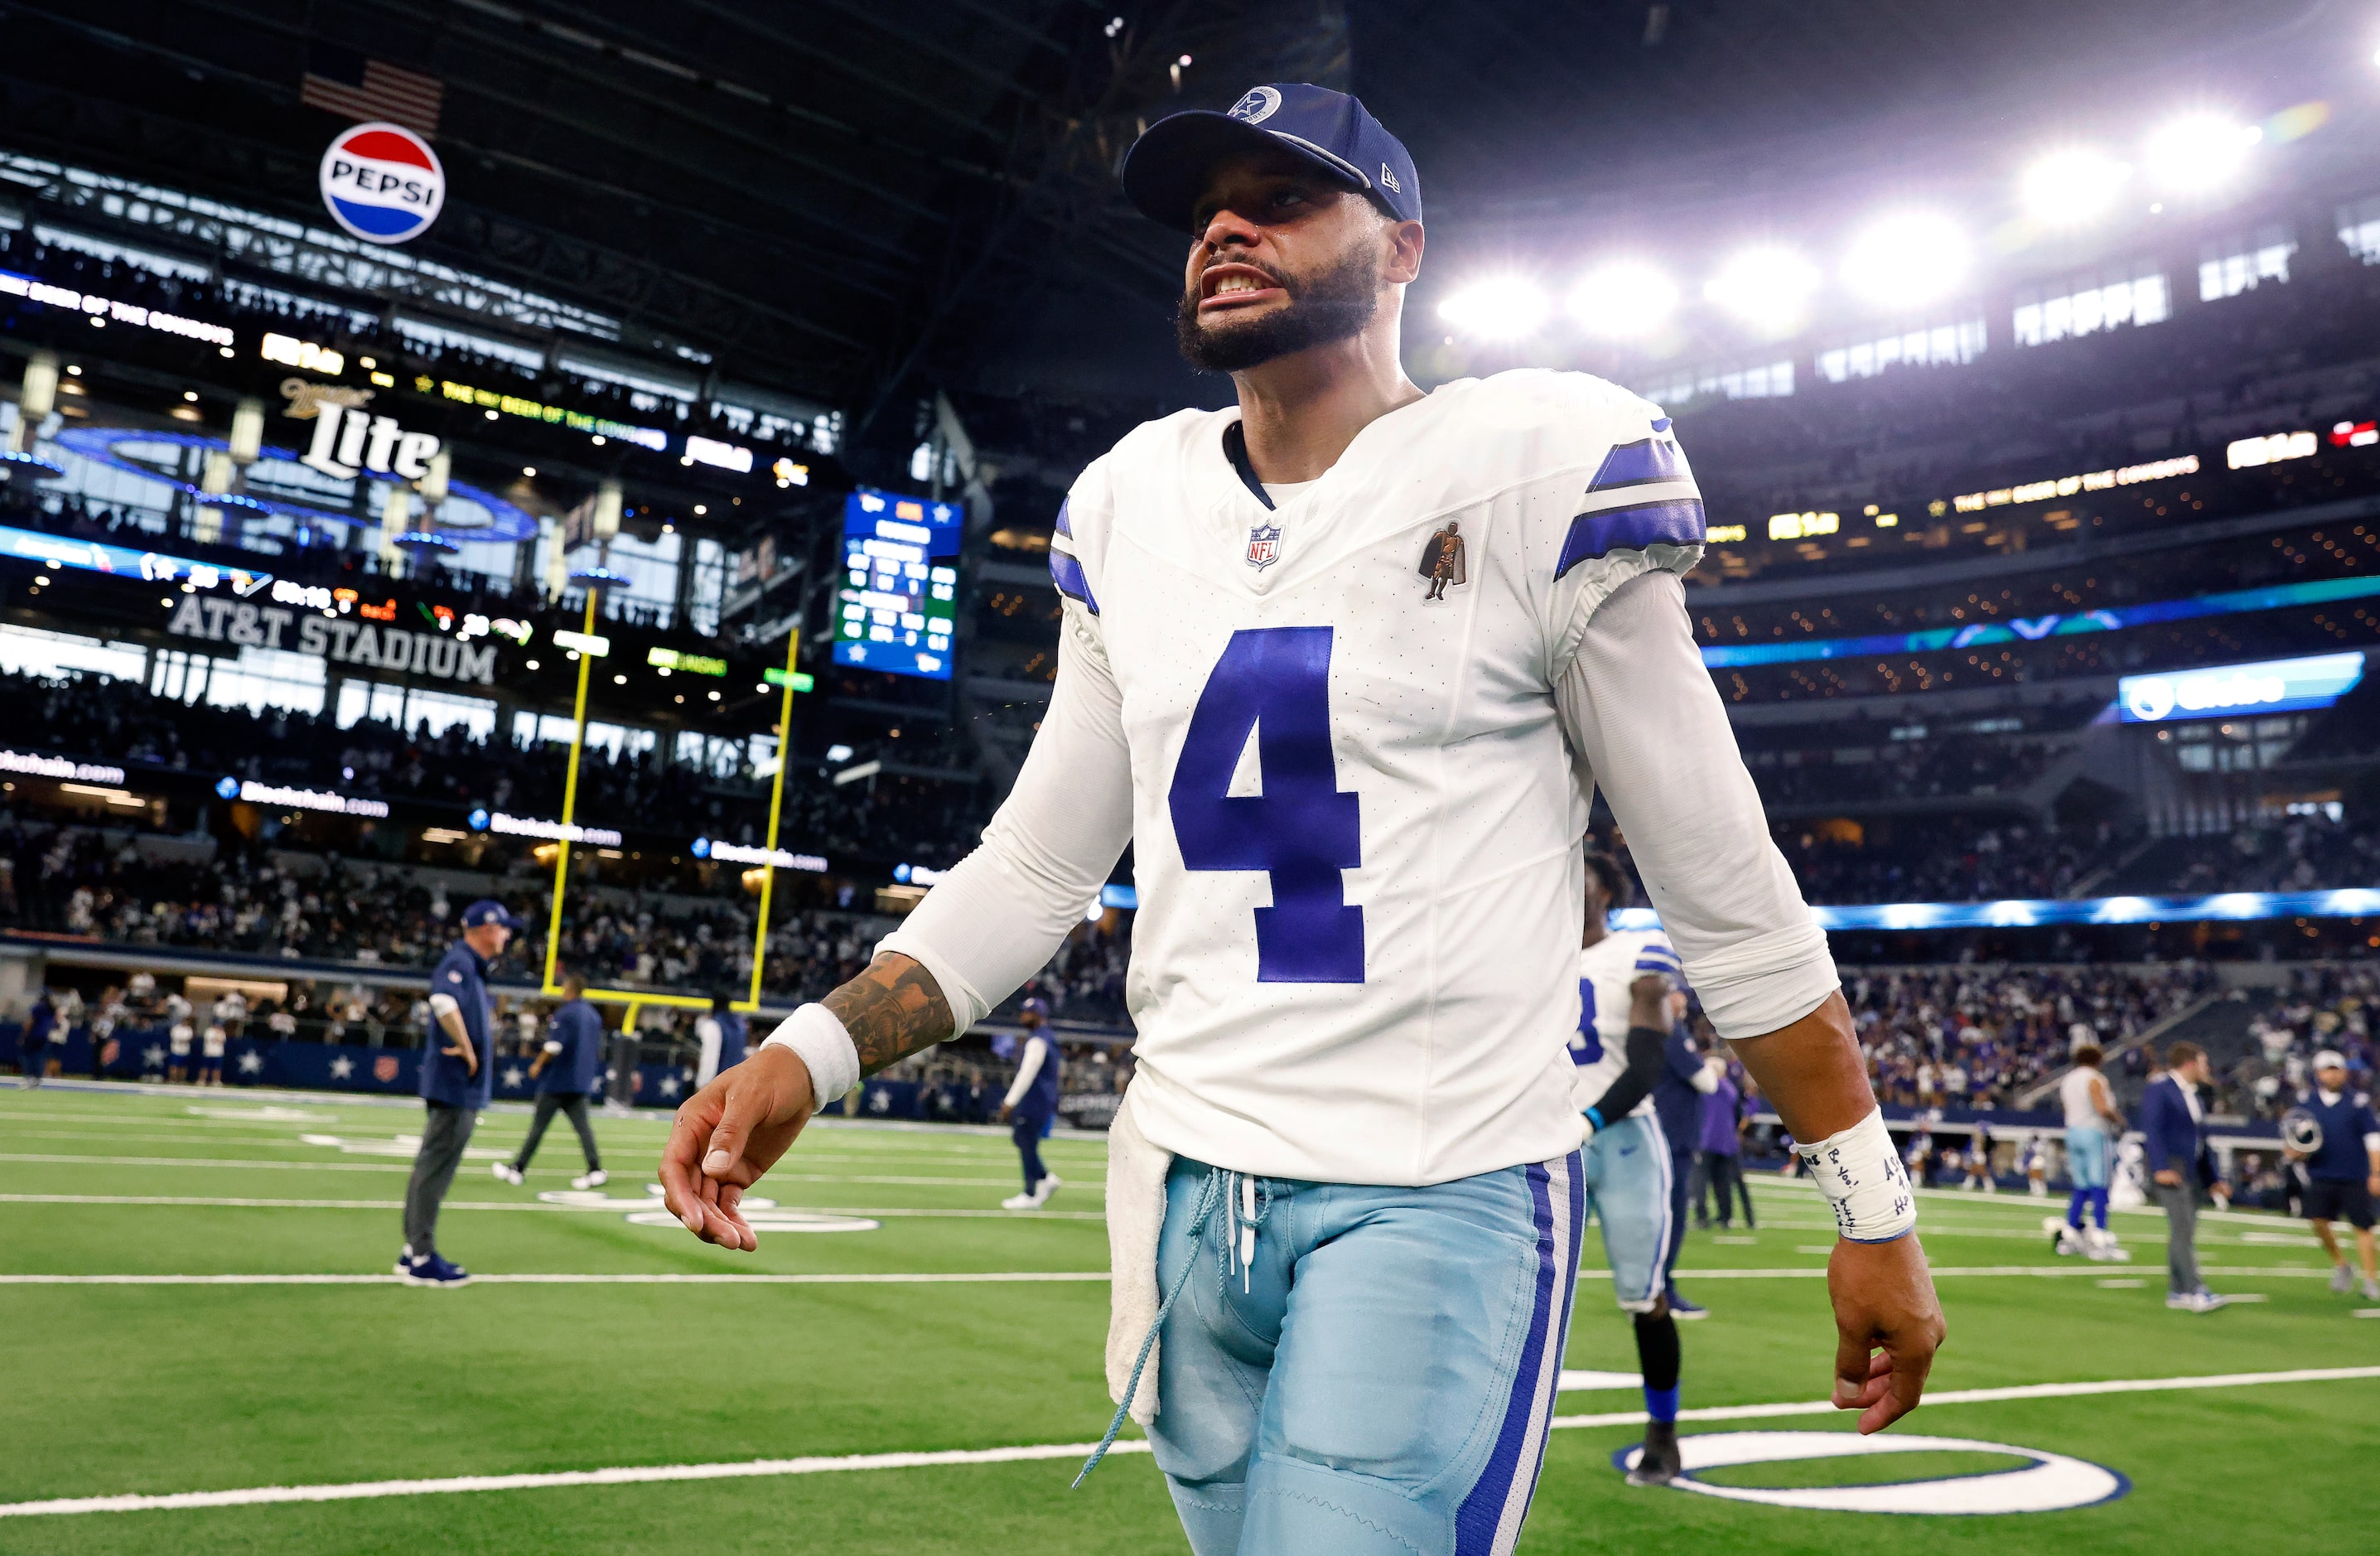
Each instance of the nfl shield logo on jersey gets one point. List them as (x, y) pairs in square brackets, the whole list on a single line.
[(1264, 546)]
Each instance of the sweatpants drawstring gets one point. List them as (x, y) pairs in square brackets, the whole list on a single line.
[(1209, 1196)]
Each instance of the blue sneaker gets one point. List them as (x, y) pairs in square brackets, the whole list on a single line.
[(1684, 1311), (430, 1270)]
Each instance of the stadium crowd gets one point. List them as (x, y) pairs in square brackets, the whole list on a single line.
[(1975, 1036)]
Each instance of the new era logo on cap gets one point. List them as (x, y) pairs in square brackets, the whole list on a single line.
[(1168, 168)]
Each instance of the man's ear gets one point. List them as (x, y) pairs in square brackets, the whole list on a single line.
[(1403, 240)]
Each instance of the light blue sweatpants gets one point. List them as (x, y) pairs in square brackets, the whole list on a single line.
[(1376, 1378)]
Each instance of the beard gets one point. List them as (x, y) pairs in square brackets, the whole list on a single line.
[(1333, 306)]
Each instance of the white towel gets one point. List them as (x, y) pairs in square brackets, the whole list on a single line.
[(1136, 1214)]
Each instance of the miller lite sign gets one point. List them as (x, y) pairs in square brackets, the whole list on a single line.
[(383, 183)]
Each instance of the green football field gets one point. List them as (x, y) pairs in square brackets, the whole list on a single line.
[(195, 1298)]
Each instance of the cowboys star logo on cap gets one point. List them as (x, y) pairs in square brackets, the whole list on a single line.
[(1257, 106)]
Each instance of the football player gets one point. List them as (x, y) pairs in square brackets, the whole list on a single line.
[(1354, 799), (1625, 980)]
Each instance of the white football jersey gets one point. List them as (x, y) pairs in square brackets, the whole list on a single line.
[(1355, 820), (1606, 970)]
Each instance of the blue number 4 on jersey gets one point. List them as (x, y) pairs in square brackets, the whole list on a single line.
[(1302, 830)]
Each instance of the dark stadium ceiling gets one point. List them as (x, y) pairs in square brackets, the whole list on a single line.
[(855, 199)]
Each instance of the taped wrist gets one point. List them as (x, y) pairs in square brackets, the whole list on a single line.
[(1860, 1174), (814, 1033)]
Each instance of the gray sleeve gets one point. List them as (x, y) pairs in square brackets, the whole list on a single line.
[(1647, 727)]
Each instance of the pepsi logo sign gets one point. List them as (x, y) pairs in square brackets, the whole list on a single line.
[(383, 183)]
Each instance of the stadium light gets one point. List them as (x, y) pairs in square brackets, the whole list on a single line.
[(2068, 188), (1503, 308), (1766, 287), (1907, 260), (2200, 151), (1623, 298)]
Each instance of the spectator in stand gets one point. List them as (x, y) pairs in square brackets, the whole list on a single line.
[(2173, 1130), (2342, 1172)]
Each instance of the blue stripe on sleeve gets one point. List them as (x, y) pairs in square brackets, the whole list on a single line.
[(1678, 523), (1067, 574), (1066, 519), (1640, 463)]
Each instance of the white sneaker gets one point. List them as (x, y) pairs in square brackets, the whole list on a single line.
[(595, 1179), (2197, 1302), (505, 1172), (1045, 1188), (2371, 1290), (2341, 1280), (1020, 1202)]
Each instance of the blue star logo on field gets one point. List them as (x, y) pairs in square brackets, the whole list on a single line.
[(251, 1062), (1264, 546), (383, 183), (227, 786)]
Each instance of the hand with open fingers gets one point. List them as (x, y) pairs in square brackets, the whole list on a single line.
[(1888, 1324), (726, 1135)]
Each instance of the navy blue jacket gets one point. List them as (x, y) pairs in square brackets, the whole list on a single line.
[(2169, 1135), (1675, 1101), (734, 1037), (2343, 1158), (462, 976), (578, 1028)]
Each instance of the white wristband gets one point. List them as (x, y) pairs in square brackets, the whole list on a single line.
[(1860, 1173), (815, 1033)]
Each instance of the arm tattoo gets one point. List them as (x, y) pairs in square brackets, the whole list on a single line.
[(891, 1010)]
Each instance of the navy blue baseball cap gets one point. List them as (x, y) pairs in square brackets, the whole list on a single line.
[(1167, 168), (488, 911), (1037, 1006)]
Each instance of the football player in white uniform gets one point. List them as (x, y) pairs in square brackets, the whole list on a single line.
[(1343, 666), (1625, 980)]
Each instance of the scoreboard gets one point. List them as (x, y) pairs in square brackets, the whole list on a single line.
[(900, 584)]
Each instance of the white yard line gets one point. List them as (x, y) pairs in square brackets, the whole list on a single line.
[(646, 1279), (236, 1203), (1987, 1271), (631, 1475), (61, 1159)]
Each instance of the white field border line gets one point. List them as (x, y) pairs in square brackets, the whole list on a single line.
[(63, 1159), (895, 1278), (631, 1475), (915, 1212), (628, 1279)]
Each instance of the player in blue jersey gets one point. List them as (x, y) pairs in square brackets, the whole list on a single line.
[(1625, 982)]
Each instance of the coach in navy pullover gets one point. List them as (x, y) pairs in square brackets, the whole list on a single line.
[(458, 1056), (574, 1047)]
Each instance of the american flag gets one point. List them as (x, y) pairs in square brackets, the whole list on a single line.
[(347, 83)]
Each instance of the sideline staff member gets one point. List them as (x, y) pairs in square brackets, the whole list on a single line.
[(457, 1062), (566, 1071), (2173, 1126), (2343, 1173)]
